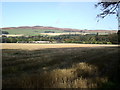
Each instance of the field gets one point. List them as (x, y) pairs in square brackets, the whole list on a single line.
[(64, 33), (32, 31), (24, 46), (14, 35), (60, 66), (29, 31)]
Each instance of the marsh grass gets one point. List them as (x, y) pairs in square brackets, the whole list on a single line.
[(61, 68)]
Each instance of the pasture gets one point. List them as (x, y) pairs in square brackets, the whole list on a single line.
[(60, 66), (30, 32)]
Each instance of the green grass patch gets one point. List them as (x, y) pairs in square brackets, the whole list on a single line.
[(30, 32)]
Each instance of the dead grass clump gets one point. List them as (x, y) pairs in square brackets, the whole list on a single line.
[(87, 76), (85, 70)]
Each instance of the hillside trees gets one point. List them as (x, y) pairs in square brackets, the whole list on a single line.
[(5, 32)]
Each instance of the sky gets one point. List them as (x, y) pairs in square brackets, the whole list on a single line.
[(76, 15)]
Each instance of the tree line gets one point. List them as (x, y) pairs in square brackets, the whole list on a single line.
[(87, 39)]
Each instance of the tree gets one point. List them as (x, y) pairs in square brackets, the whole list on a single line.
[(111, 7), (107, 8), (5, 32), (113, 38)]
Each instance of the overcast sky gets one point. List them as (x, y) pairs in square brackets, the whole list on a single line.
[(77, 15)]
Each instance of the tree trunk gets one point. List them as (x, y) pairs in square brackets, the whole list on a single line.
[(118, 23)]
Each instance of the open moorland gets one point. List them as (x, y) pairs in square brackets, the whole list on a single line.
[(60, 66)]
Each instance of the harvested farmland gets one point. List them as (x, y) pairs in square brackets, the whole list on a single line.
[(34, 46), (60, 66)]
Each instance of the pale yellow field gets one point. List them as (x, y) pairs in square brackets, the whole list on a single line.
[(12, 35), (26, 46), (55, 34)]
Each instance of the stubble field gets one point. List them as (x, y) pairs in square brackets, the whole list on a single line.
[(60, 65)]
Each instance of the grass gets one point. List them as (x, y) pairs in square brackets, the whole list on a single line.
[(30, 32), (64, 67)]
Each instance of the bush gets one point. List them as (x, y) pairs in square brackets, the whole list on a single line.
[(96, 42), (109, 43), (5, 32), (83, 42), (93, 42), (100, 42), (104, 42)]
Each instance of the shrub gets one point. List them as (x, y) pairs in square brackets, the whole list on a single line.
[(109, 43), (100, 42)]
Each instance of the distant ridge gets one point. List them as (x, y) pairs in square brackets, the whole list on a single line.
[(55, 28)]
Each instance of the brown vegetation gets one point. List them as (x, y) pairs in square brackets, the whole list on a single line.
[(68, 67)]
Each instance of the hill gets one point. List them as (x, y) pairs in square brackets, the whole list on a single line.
[(37, 30)]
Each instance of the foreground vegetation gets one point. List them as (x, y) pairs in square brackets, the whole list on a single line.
[(72, 67)]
